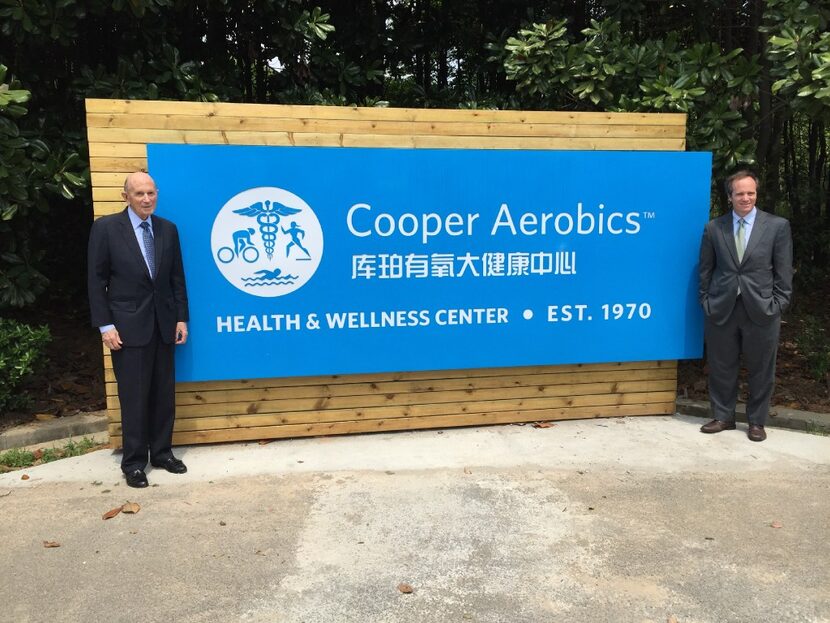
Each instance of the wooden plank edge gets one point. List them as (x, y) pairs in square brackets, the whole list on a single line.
[(352, 427), (170, 107)]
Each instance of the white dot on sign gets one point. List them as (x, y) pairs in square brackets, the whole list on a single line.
[(527, 314), (589, 317)]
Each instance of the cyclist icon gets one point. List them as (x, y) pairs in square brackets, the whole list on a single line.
[(242, 247), (297, 233)]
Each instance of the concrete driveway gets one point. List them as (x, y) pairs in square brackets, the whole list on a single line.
[(617, 520)]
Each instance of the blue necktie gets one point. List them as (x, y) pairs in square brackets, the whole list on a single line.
[(149, 248)]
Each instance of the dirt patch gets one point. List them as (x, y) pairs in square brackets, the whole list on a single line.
[(72, 380), (795, 385)]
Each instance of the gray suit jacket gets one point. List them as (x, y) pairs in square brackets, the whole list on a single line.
[(765, 276)]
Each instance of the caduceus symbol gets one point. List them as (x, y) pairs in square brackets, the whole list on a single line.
[(268, 215)]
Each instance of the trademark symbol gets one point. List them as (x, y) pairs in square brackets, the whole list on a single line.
[(649, 215)]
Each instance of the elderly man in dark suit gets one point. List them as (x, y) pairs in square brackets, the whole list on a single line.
[(138, 299), (746, 273)]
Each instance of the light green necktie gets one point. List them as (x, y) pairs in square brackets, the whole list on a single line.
[(740, 239)]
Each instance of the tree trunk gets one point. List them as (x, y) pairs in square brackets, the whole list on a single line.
[(791, 168), (772, 180)]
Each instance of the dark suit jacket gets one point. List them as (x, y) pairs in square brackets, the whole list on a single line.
[(765, 275), (121, 291)]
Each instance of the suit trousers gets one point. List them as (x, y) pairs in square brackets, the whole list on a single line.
[(147, 393), (759, 346)]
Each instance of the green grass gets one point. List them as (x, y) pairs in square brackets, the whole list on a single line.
[(50, 454), (77, 449), (815, 429), (17, 458)]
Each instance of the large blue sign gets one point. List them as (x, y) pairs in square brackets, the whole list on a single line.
[(317, 261)]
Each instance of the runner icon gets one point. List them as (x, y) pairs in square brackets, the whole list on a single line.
[(297, 233)]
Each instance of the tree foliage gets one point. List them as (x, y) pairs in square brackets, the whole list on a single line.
[(752, 75), (30, 172), (606, 69)]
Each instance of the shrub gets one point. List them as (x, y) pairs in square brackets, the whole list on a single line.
[(31, 173), (22, 349)]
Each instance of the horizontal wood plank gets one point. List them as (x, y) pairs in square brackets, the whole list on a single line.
[(99, 149), (318, 397), (413, 423), (312, 407), (495, 399), (293, 381), (121, 165), (311, 139), (369, 126), (103, 208), (448, 407), (539, 384), (159, 107)]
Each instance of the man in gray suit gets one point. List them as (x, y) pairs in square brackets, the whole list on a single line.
[(746, 273)]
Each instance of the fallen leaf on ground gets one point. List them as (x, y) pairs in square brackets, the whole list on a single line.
[(262, 442), (671, 619), (48, 544), (543, 424), (111, 513), (776, 524), (405, 588), (130, 508), (43, 417), (24, 477), (467, 470)]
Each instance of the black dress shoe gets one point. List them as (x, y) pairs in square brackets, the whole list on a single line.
[(136, 478), (172, 465)]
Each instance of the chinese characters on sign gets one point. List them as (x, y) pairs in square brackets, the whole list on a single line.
[(440, 265)]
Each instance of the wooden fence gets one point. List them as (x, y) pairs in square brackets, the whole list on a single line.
[(118, 133)]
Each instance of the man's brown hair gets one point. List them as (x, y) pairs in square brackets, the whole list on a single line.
[(739, 175)]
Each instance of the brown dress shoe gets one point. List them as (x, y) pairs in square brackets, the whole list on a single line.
[(716, 426), (756, 433)]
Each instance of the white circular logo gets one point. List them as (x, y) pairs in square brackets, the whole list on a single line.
[(267, 241)]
